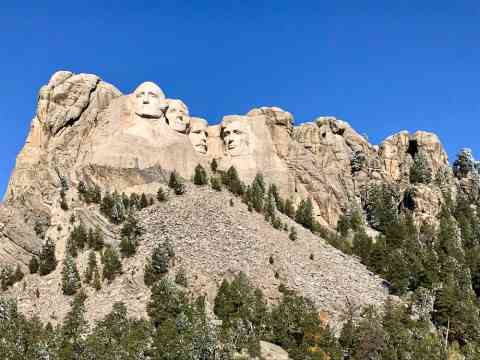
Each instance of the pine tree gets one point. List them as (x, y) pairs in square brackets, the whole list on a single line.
[(18, 275), (70, 276), (200, 177), (293, 234), (111, 264), (82, 189), (107, 205), (63, 201), (357, 161), (128, 247), (420, 171), (176, 183), (464, 164), (91, 266), (158, 264), (143, 201), (71, 247), (257, 194), (304, 214), (214, 166), (97, 281), (72, 332), (33, 265), (167, 302), (47, 260), (117, 212), (289, 209), (79, 236), (181, 277), (161, 195), (232, 181), (269, 208), (216, 183), (95, 239)]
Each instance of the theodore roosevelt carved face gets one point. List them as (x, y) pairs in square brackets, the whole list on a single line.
[(198, 134), (149, 100)]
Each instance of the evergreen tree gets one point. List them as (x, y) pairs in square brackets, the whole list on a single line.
[(33, 265), (47, 259), (158, 264), (161, 195), (181, 277), (382, 205), (464, 164), (176, 183), (357, 161), (289, 209), (128, 247), (214, 166), (420, 171), (269, 208), (232, 181), (119, 337), (107, 204), (216, 183), (304, 214), (72, 332), (293, 234), (130, 234), (362, 245), (71, 247), (70, 276), (91, 266), (63, 201), (167, 302), (143, 201), (200, 177), (79, 236), (82, 189), (95, 239), (97, 281), (257, 193), (111, 264)]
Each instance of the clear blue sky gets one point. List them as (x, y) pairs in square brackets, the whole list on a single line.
[(383, 66)]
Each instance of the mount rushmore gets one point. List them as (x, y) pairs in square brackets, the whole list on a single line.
[(86, 129)]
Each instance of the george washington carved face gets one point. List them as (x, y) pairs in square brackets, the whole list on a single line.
[(149, 100), (235, 135)]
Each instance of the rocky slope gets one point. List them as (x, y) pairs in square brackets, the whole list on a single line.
[(212, 241)]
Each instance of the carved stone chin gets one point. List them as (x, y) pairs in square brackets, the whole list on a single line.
[(236, 136), (149, 100), (178, 116), (198, 134)]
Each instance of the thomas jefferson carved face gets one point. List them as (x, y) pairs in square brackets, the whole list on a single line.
[(149, 100), (235, 137), (177, 115), (198, 134)]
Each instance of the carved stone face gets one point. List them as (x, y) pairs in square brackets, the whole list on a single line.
[(149, 100), (235, 137), (177, 115), (198, 134)]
